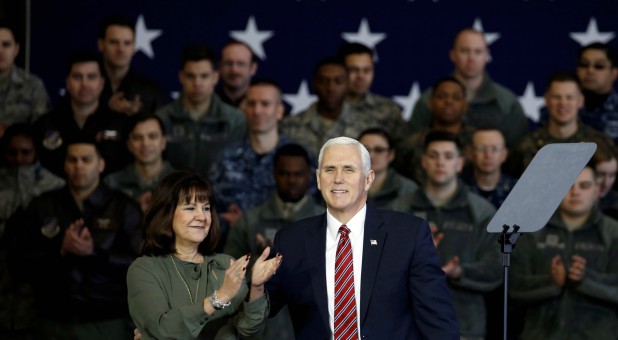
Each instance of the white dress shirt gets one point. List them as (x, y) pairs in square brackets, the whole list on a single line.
[(356, 235)]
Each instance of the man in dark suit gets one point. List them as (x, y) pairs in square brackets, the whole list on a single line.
[(399, 290)]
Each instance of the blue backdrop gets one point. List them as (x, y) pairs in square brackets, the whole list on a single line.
[(411, 38)]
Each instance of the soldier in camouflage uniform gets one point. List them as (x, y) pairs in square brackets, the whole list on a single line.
[(358, 58), (331, 116), (237, 66), (605, 164), (23, 98), (448, 105), (388, 183), (23, 177), (20, 181), (81, 114), (490, 102), (487, 153), (146, 141), (198, 124), (563, 100)]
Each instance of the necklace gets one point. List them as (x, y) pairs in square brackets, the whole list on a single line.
[(185, 282)]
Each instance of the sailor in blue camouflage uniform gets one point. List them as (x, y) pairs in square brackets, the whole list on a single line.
[(242, 176)]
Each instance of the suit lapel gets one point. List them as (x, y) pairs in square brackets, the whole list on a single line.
[(372, 250), (315, 246)]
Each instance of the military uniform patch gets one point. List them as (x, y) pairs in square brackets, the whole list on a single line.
[(50, 227), (52, 140)]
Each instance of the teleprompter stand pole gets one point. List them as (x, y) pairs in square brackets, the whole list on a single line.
[(507, 242)]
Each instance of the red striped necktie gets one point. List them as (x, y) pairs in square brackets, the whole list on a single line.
[(345, 301)]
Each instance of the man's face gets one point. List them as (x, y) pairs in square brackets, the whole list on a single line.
[(237, 67), (441, 162), (596, 72), (85, 83), (582, 195), (381, 153), (262, 108), (360, 73), (606, 176), (488, 151), (563, 100), (341, 180), (469, 54), (331, 85), (292, 177), (146, 142), (8, 50), (20, 151), (118, 46), (448, 103), (83, 166), (198, 79)]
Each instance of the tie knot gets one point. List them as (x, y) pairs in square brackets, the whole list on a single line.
[(344, 230)]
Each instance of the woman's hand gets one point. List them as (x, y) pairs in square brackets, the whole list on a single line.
[(264, 269), (233, 280)]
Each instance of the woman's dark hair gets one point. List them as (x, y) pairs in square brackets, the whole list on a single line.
[(176, 188)]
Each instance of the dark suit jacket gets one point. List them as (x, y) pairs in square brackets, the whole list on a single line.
[(404, 293)]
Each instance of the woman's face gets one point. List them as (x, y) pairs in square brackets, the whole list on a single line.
[(379, 150), (191, 222)]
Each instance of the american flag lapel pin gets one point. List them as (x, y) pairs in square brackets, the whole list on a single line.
[(373, 242)]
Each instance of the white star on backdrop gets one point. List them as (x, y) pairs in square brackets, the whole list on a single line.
[(144, 37), (253, 37), (592, 34), (490, 38), (301, 100), (365, 37), (531, 103), (408, 102)]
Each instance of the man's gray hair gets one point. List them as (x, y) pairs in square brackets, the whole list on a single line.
[(365, 158)]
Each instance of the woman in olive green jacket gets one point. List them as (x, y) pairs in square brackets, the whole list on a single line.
[(180, 289)]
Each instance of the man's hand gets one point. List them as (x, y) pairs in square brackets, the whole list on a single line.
[(119, 103), (577, 268), (435, 235), (262, 242), (558, 271), (77, 240), (452, 269), (144, 200)]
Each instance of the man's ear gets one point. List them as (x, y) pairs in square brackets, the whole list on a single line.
[(369, 180)]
